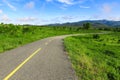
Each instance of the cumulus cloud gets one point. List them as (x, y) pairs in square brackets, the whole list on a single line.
[(106, 8), (68, 17), (5, 18), (96, 17), (114, 18), (109, 8), (69, 2), (58, 19), (1, 11), (64, 6), (27, 19), (61, 19), (9, 5), (30, 5), (66, 1)]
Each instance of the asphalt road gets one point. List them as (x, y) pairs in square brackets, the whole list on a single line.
[(45, 59)]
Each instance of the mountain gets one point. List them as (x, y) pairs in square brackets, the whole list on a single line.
[(94, 23)]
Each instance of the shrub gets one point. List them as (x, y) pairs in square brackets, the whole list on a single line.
[(111, 76), (96, 36), (109, 53), (119, 41)]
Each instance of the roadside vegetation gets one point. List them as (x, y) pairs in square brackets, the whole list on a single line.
[(95, 56), (12, 36)]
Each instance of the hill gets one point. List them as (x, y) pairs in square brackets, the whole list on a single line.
[(94, 23)]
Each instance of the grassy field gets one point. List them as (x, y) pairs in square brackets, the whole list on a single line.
[(95, 57), (12, 36)]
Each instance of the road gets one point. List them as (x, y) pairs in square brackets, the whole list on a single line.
[(45, 59)]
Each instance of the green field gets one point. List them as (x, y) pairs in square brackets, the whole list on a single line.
[(12, 36), (95, 57)]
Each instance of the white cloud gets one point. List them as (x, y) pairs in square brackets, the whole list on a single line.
[(9, 5), (27, 19), (30, 5), (1, 11), (69, 2), (109, 8), (114, 18), (61, 19), (57, 19), (64, 6), (5, 18), (95, 17), (66, 1), (86, 7), (106, 8), (68, 17)]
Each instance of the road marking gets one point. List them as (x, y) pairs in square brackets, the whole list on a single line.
[(19, 66), (46, 43)]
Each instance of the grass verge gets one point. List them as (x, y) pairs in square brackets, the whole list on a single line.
[(12, 36), (95, 57)]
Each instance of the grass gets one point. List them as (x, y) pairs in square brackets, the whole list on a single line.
[(12, 36), (95, 57)]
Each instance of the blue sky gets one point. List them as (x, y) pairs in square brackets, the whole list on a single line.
[(57, 11)]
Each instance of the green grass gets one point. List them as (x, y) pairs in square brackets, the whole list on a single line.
[(12, 36), (95, 58)]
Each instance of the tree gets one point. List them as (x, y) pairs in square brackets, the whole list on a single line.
[(86, 25)]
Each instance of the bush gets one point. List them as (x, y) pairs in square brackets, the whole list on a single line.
[(96, 36), (109, 53), (119, 41), (111, 76), (87, 25)]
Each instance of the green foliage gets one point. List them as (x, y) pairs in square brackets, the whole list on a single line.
[(12, 36), (86, 25), (116, 29), (95, 59), (109, 53), (119, 41), (96, 36)]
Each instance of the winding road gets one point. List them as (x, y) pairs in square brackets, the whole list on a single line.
[(45, 59)]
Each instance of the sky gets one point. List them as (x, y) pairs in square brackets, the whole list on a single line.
[(40, 12)]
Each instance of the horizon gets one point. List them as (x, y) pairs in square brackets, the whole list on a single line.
[(44, 12), (59, 23)]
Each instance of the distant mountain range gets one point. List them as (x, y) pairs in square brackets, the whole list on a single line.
[(94, 23)]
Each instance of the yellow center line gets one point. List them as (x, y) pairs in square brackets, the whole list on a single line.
[(19, 66), (46, 43)]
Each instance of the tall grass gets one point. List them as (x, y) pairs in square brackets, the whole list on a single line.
[(12, 36), (95, 57)]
